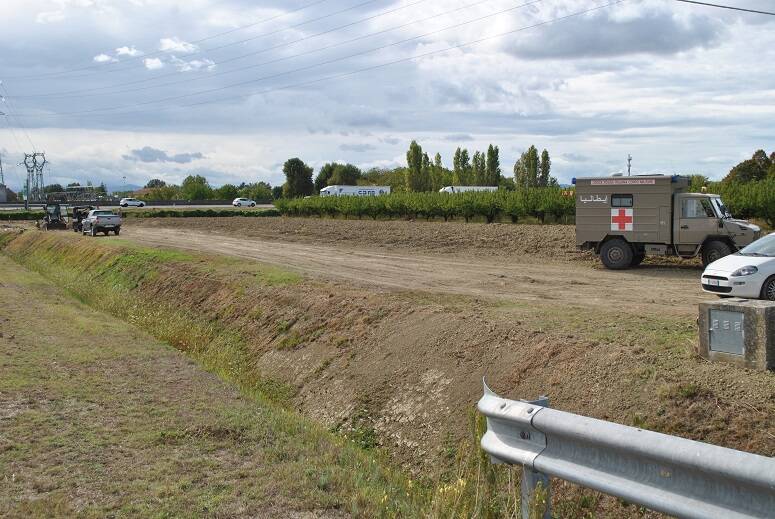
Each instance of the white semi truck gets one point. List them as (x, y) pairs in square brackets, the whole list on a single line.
[(355, 191), (464, 189)]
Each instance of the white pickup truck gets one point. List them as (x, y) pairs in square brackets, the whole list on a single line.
[(101, 220)]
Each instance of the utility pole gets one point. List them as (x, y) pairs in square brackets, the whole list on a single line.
[(2, 179), (629, 164), (34, 162)]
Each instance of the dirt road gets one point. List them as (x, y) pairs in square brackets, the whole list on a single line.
[(648, 289)]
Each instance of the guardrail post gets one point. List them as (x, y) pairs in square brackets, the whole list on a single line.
[(536, 492)]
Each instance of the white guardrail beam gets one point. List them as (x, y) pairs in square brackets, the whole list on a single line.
[(668, 474)]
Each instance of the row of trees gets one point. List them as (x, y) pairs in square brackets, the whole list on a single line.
[(534, 202), (196, 187), (422, 174)]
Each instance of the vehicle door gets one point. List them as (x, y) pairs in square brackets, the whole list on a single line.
[(697, 220)]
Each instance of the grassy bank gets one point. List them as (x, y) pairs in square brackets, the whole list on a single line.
[(100, 419), (218, 324)]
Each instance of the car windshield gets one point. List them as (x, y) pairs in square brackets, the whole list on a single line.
[(761, 247), (720, 207)]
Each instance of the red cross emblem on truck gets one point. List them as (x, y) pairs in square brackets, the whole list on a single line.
[(621, 219)]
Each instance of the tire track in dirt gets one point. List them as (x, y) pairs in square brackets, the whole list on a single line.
[(659, 290)]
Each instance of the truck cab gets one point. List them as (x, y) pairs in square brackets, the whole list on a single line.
[(623, 219)]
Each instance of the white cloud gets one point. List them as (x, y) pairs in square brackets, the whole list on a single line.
[(153, 63), (128, 51), (50, 17), (104, 58), (193, 65), (176, 45)]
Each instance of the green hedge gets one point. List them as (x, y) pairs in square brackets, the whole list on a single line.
[(198, 213), (513, 205), (21, 215)]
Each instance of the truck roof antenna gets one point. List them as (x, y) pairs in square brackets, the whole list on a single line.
[(629, 164)]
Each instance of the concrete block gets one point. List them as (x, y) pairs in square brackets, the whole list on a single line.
[(738, 331)]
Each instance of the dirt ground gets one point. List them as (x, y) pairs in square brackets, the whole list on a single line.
[(515, 303), (527, 263), (389, 332)]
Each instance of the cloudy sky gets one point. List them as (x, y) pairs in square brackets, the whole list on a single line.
[(232, 88)]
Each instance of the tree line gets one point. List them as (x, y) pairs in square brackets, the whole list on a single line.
[(421, 174)]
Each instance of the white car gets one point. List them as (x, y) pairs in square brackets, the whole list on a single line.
[(131, 202), (749, 273), (239, 202)]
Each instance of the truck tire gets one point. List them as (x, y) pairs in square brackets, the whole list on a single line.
[(637, 259), (117, 230), (714, 250), (93, 232), (616, 254)]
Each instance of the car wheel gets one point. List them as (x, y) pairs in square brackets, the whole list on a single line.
[(616, 254), (141, 205), (713, 251), (768, 289), (252, 205)]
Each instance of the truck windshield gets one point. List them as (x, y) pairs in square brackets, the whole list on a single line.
[(762, 247), (721, 209), (103, 213)]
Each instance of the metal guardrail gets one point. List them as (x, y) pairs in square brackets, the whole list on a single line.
[(676, 476)]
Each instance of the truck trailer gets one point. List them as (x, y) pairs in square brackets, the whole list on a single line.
[(623, 219), (355, 191)]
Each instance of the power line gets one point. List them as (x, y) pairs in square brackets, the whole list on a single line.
[(370, 68), (80, 93), (226, 45), (9, 113), (159, 52), (732, 8), (308, 67), (316, 50)]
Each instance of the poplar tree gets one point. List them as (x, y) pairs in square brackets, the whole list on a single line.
[(414, 160), (493, 166), (461, 168), (544, 168), (479, 169)]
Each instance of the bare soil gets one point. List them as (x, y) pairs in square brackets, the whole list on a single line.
[(493, 264)]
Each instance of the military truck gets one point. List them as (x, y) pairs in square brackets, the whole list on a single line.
[(623, 219)]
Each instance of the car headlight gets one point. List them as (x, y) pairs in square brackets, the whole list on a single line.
[(745, 271)]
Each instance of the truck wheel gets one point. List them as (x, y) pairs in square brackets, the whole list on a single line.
[(714, 250), (616, 254), (637, 259), (93, 232), (768, 289), (117, 230)]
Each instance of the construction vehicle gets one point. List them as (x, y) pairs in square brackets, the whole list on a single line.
[(623, 219), (53, 220), (80, 213)]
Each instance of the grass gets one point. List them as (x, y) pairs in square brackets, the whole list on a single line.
[(101, 419), (343, 471)]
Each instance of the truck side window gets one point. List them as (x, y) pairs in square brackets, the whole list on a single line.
[(697, 208), (621, 201)]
